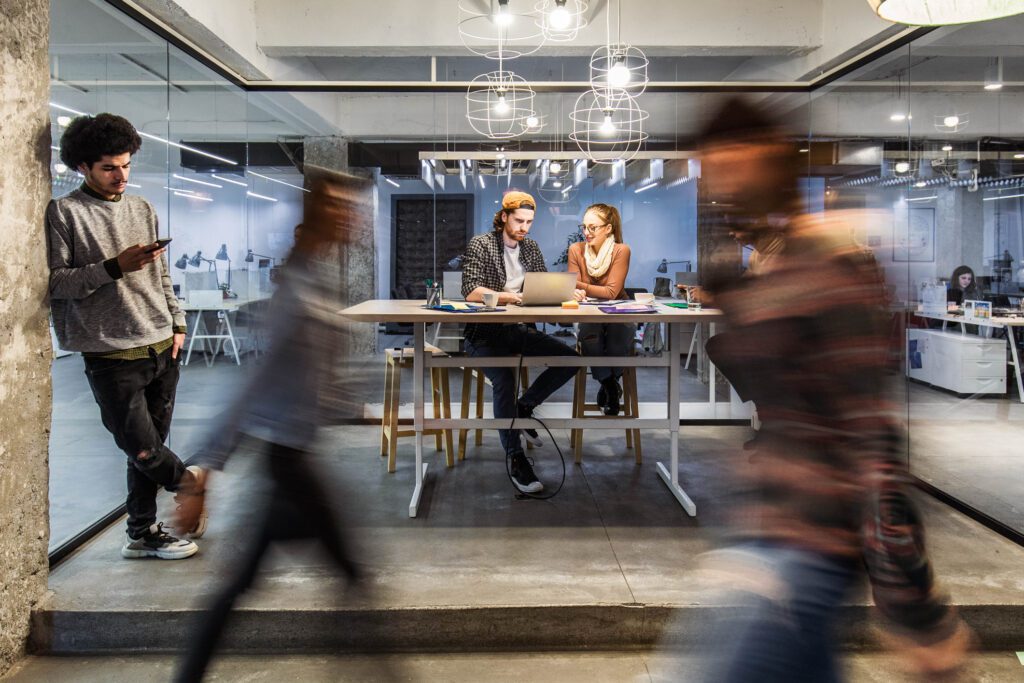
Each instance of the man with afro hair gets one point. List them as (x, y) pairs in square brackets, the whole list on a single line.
[(111, 300)]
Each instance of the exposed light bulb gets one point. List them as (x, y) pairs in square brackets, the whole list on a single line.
[(1018, 156), (560, 17), (898, 116), (619, 75), (499, 156), (947, 148), (60, 168), (555, 167), (532, 121), (993, 86), (902, 166), (557, 183), (608, 127), (503, 17), (501, 106), (920, 183), (63, 121), (951, 121)]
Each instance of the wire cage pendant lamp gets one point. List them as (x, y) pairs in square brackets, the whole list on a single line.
[(561, 20), (499, 32)]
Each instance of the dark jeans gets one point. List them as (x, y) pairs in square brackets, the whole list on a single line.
[(782, 628), (607, 339), (299, 508), (136, 400), (524, 340)]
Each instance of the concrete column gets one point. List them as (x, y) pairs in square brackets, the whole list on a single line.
[(25, 352), (959, 231)]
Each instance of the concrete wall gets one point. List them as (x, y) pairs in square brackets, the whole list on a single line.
[(24, 337)]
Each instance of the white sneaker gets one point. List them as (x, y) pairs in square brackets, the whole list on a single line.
[(158, 543)]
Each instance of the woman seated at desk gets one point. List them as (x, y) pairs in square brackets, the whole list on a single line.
[(601, 264), (963, 286)]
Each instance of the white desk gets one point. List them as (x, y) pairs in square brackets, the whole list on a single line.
[(1005, 323), (413, 312), (223, 309)]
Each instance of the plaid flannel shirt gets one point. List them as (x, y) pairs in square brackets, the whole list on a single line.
[(810, 337), (484, 266)]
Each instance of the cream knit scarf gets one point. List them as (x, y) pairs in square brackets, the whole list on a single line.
[(598, 263)]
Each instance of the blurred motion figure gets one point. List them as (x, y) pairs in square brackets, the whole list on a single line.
[(280, 410), (808, 333)]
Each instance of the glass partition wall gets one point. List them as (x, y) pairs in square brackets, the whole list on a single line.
[(223, 167)]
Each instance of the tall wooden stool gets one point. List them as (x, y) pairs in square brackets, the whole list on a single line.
[(475, 377), (440, 392), (630, 409)]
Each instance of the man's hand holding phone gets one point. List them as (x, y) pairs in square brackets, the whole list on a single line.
[(141, 255)]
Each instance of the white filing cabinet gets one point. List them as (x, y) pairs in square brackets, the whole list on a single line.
[(964, 363)]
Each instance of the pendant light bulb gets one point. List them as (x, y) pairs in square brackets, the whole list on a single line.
[(501, 106), (608, 127), (951, 121), (532, 121), (560, 17), (503, 17), (618, 75), (555, 167), (902, 166)]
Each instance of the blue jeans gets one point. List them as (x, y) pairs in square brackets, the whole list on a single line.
[(607, 339), (783, 628), (523, 340)]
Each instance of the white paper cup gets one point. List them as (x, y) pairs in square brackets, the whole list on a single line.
[(491, 299), (644, 298)]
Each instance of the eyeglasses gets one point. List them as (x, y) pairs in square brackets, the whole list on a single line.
[(591, 228)]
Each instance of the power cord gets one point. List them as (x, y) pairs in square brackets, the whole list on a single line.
[(508, 451)]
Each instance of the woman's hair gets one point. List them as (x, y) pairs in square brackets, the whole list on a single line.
[(610, 215), (960, 270), (87, 139)]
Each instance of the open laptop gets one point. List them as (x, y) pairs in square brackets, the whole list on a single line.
[(548, 289)]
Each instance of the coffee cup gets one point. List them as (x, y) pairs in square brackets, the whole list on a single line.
[(490, 299), (644, 298)]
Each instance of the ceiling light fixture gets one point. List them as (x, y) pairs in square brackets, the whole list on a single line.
[(902, 166), (532, 121), (63, 120), (502, 16), (501, 33), (607, 126), (897, 117), (260, 196), (644, 188), (920, 183), (556, 183), (1018, 156), (189, 195), (947, 148), (197, 182), (60, 168), (561, 20), (499, 105), (944, 12), (555, 167), (389, 181), (275, 180), (228, 180)]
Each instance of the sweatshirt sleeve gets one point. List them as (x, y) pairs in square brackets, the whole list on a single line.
[(66, 280)]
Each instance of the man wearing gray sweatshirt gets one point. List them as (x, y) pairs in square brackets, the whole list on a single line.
[(111, 299)]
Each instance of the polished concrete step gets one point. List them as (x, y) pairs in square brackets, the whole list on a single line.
[(607, 564)]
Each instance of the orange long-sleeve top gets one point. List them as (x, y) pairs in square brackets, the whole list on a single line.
[(612, 285)]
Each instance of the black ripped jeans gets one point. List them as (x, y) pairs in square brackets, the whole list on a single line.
[(136, 400)]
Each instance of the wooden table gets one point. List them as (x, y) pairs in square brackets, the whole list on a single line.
[(406, 311), (994, 322)]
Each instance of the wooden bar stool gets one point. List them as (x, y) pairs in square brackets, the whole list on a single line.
[(440, 391), (630, 409), (475, 377)]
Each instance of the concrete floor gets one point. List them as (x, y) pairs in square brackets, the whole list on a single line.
[(609, 561), (610, 667)]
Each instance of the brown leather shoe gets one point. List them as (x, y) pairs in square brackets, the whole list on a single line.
[(190, 515)]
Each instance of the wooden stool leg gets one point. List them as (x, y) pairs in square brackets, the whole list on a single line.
[(634, 403), (446, 409), (479, 439), (579, 400), (576, 412), (386, 419), (467, 383), (396, 399), (435, 388)]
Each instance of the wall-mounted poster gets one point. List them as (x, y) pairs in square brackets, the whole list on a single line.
[(914, 235)]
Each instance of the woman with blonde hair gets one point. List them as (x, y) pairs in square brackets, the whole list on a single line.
[(601, 263)]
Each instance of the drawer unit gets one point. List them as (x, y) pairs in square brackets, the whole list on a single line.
[(966, 364)]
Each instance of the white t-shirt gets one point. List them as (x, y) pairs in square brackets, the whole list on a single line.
[(514, 273)]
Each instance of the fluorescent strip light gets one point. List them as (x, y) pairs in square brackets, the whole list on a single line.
[(481, 179), (197, 182), (229, 180), (179, 189), (134, 185), (677, 182), (193, 196), (67, 109), (389, 181), (275, 180), (644, 188), (1005, 196), (923, 199), (260, 196)]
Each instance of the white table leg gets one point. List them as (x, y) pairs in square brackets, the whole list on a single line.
[(419, 332), (1016, 361), (671, 478), (192, 337), (231, 336)]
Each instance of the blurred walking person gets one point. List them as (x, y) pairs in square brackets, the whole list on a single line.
[(280, 411), (827, 493)]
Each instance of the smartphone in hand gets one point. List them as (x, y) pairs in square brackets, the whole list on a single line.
[(160, 244)]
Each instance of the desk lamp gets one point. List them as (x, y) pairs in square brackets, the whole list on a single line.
[(198, 260), (222, 255), (182, 263), (663, 266), (249, 257)]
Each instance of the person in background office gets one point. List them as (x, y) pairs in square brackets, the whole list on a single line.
[(964, 286), (828, 492), (498, 262), (601, 263), (111, 298)]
